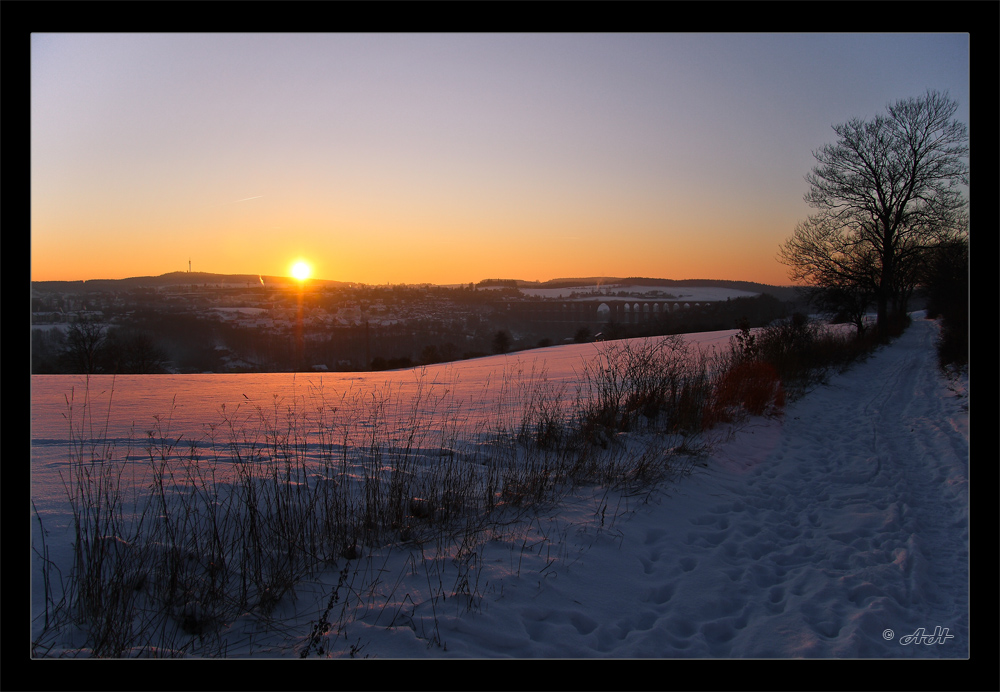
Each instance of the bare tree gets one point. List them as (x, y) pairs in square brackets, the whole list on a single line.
[(886, 191), (841, 273), (84, 340)]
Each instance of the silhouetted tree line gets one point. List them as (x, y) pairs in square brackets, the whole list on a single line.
[(90, 347), (506, 283), (153, 339)]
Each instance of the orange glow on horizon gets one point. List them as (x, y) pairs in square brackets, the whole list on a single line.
[(411, 242), (377, 250), (458, 265)]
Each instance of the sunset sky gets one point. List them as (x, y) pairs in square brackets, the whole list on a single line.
[(447, 158)]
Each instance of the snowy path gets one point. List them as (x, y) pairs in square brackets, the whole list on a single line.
[(810, 536)]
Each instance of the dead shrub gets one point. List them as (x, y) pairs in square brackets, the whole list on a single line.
[(752, 386)]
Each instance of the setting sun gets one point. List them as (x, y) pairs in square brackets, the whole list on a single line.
[(301, 270)]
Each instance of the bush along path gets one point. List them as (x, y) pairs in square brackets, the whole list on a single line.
[(840, 530)]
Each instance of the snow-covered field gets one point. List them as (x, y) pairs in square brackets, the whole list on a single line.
[(837, 530)]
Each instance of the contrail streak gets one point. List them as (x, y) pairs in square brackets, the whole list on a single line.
[(237, 201)]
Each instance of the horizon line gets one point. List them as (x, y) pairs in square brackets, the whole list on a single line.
[(414, 283)]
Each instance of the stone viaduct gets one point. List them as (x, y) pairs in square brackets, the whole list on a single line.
[(598, 311)]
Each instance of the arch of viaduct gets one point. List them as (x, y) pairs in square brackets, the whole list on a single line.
[(620, 311)]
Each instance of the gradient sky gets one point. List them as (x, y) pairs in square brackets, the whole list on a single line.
[(447, 158)]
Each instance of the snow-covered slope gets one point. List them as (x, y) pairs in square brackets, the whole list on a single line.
[(840, 530)]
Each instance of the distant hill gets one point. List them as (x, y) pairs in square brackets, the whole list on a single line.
[(570, 283), (174, 279), (784, 293)]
